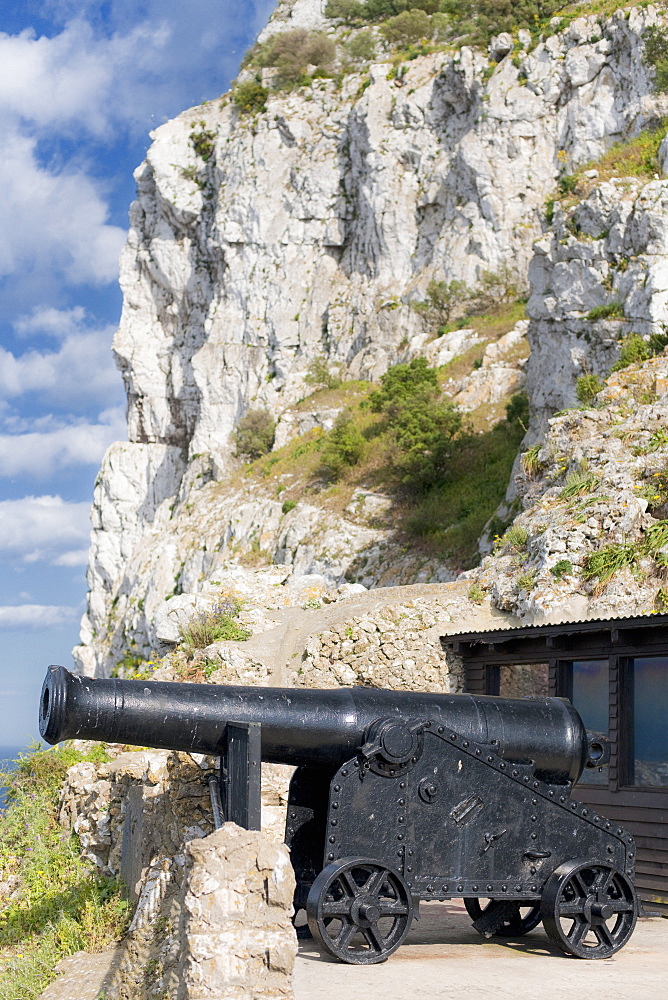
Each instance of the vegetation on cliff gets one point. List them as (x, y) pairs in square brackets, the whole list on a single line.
[(404, 436), (54, 902)]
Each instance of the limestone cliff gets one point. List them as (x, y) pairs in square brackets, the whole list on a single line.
[(259, 243)]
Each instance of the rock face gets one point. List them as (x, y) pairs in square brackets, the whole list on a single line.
[(260, 243), (610, 250), (593, 538)]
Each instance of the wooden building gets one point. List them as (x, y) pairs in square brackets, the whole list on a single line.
[(616, 674)]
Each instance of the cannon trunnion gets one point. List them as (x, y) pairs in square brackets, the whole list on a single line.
[(397, 798)]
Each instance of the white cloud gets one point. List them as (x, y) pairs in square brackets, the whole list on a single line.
[(43, 451), (112, 72), (54, 322), (44, 528), (99, 72), (80, 371), (35, 615), (53, 222), (76, 558)]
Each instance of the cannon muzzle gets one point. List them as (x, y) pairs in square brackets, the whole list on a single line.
[(315, 728)]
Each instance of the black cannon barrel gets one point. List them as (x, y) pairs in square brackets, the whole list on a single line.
[(317, 728)]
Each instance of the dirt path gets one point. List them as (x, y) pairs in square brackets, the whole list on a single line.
[(278, 647)]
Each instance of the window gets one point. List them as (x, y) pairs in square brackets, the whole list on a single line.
[(589, 694), (649, 717)]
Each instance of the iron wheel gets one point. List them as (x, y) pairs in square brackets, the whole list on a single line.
[(359, 910), (589, 908)]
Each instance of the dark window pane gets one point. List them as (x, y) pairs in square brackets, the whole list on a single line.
[(590, 698), (524, 680), (650, 720)]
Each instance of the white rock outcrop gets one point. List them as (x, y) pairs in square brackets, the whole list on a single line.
[(608, 252), (313, 230)]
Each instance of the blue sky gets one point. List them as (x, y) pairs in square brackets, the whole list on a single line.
[(81, 85)]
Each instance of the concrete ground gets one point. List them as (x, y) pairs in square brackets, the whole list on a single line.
[(444, 958)]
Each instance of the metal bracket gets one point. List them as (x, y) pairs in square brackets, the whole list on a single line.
[(240, 775)]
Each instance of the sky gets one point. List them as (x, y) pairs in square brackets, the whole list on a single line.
[(82, 83)]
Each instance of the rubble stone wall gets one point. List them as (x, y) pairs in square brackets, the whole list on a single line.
[(212, 915)]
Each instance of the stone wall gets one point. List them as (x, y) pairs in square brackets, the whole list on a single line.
[(212, 913), (395, 647), (237, 933)]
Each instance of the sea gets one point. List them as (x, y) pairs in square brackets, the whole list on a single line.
[(8, 756)]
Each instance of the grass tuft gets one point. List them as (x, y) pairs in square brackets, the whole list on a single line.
[(603, 565), (214, 625), (578, 484)]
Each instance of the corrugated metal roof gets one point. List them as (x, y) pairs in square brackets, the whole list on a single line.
[(542, 628)]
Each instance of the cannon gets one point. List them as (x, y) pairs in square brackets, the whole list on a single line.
[(397, 798)]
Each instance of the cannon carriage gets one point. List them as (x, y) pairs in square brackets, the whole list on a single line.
[(398, 798)]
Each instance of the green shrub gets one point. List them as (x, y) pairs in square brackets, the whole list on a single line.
[(250, 97), (634, 349), (320, 376), (254, 434), (354, 12), (420, 421), (469, 21), (60, 903), (527, 580), (562, 568), (288, 506), (611, 310), (587, 387), (402, 383), (449, 519), (213, 626), (656, 55), (567, 184), (517, 410), (291, 52), (603, 565), (409, 26), (496, 288), (202, 141), (549, 210), (444, 296), (362, 46), (423, 431), (343, 447), (476, 593), (348, 11)]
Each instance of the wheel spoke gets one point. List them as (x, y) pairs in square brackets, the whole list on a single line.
[(393, 909), (582, 889), (571, 909), (374, 937), (578, 931), (621, 906), (349, 884), (374, 883), (336, 908), (604, 935), (345, 935), (603, 881)]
